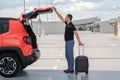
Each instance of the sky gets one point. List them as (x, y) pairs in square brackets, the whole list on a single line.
[(104, 9)]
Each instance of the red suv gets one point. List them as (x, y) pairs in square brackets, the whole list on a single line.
[(18, 47)]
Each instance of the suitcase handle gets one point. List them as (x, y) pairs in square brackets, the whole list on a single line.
[(82, 50)]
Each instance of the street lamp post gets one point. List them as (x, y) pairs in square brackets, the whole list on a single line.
[(24, 5), (38, 3)]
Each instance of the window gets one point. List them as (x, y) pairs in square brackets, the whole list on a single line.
[(3, 27)]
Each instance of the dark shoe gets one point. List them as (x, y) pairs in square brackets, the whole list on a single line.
[(68, 71)]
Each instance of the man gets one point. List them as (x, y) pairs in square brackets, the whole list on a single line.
[(70, 30)]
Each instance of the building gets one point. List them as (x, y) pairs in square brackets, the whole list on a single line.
[(58, 27)]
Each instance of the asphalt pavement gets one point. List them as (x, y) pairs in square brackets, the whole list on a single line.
[(103, 51)]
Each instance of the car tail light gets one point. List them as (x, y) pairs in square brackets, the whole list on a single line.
[(27, 39)]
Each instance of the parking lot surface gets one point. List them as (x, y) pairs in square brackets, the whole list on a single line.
[(103, 51)]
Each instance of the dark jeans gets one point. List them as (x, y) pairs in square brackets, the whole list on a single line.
[(69, 54)]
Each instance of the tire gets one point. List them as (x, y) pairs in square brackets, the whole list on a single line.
[(10, 65)]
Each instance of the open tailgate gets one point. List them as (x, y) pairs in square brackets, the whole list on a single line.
[(34, 13)]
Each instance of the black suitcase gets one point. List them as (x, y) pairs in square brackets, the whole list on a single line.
[(81, 63)]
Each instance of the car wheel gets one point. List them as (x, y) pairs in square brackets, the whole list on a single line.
[(9, 65)]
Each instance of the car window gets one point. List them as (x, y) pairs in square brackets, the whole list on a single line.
[(3, 27)]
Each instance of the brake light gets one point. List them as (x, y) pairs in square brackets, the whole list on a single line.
[(27, 39)]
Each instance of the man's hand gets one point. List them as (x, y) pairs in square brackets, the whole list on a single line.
[(54, 9), (59, 15), (81, 44)]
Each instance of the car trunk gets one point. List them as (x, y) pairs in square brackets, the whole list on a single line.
[(29, 16), (31, 34)]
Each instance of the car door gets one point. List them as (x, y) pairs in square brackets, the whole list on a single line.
[(34, 13)]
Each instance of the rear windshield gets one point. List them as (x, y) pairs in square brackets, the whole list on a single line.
[(28, 15)]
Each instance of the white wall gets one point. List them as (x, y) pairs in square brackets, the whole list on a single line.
[(105, 27), (59, 27), (53, 27), (37, 28)]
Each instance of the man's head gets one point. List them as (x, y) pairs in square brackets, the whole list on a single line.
[(68, 18)]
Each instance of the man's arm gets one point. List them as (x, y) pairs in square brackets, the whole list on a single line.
[(59, 15), (78, 38)]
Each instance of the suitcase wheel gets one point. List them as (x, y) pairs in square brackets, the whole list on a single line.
[(86, 72), (76, 73)]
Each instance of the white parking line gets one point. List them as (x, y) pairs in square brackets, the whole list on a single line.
[(113, 45), (60, 55), (58, 60), (55, 67)]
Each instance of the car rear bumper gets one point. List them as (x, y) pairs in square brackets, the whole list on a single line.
[(32, 58)]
